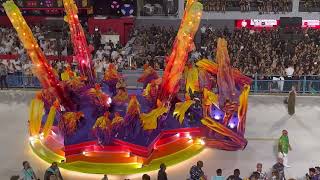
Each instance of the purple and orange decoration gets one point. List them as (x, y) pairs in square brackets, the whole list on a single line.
[(105, 128)]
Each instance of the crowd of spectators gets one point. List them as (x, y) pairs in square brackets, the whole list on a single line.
[(277, 172), (252, 52), (151, 45), (261, 52), (215, 5), (16, 61), (265, 53), (275, 6), (308, 5), (263, 6)]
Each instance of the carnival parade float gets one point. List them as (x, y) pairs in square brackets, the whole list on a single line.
[(103, 127)]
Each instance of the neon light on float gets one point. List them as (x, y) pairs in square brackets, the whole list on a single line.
[(232, 125), (216, 117)]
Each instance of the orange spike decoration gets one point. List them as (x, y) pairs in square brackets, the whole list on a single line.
[(79, 41), (181, 47), (43, 70)]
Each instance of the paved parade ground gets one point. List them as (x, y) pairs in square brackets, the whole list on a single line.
[(266, 117)]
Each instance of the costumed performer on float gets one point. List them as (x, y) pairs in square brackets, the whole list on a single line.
[(151, 91), (148, 75), (122, 96), (284, 147), (111, 78), (117, 123), (191, 74), (102, 129), (132, 120)]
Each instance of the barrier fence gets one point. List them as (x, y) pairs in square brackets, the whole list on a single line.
[(267, 84)]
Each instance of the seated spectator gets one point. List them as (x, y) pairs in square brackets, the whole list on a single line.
[(27, 172), (54, 171), (218, 176), (196, 172), (235, 176)]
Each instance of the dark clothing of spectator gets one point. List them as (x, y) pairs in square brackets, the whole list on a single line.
[(162, 175), (52, 172), (196, 173), (233, 177), (3, 76), (279, 168)]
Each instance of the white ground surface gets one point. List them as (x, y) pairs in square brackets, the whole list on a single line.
[(267, 116)]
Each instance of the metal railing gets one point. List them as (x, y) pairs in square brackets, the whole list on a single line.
[(267, 84)]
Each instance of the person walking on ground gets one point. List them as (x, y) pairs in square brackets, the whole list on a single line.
[(292, 101), (162, 175), (3, 76), (284, 147), (27, 172), (53, 170)]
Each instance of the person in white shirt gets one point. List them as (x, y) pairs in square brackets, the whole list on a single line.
[(2, 50), (99, 69), (120, 59), (114, 55), (18, 71), (99, 53), (203, 29), (8, 43), (59, 66), (289, 72), (106, 64), (11, 69)]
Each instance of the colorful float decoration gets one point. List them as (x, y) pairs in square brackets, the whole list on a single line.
[(95, 128)]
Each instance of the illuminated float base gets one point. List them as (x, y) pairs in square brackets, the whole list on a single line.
[(169, 150)]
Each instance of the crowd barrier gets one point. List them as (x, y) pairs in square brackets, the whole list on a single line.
[(4, 57), (269, 84)]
